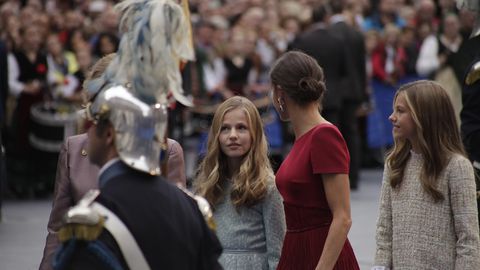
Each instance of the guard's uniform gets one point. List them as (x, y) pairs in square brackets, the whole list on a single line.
[(470, 115), (165, 222)]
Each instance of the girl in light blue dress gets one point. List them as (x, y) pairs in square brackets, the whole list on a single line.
[(236, 178)]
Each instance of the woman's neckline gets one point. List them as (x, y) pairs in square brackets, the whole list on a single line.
[(311, 129)]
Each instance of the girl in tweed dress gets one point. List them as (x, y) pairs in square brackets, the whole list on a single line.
[(237, 180), (428, 214)]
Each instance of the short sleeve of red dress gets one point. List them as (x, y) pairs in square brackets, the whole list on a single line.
[(329, 152)]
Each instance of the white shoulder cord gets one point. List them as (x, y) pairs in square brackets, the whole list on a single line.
[(125, 240)]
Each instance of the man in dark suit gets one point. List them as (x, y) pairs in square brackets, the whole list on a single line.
[(319, 42), (340, 51), (355, 85)]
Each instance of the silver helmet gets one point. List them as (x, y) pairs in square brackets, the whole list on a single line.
[(139, 128)]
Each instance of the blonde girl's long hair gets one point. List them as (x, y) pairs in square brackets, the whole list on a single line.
[(437, 135), (250, 183)]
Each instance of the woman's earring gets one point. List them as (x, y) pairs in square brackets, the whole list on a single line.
[(280, 105)]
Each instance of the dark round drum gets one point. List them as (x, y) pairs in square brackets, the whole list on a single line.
[(51, 124)]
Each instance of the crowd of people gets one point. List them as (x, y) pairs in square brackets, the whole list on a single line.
[(289, 97), (367, 48)]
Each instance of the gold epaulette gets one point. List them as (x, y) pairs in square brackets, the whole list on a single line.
[(85, 232), (473, 75), (204, 207), (81, 221)]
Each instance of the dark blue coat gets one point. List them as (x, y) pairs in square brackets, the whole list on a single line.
[(166, 223)]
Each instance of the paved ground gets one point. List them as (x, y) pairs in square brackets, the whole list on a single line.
[(22, 234), (364, 204), (23, 229)]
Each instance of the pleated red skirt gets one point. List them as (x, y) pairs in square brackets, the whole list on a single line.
[(307, 230)]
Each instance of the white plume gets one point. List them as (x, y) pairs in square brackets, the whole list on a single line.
[(156, 38)]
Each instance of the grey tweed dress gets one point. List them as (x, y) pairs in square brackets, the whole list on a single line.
[(414, 232)]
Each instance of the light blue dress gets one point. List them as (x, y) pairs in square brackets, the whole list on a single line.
[(251, 237)]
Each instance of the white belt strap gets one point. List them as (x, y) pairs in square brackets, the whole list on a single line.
[(125, 240)]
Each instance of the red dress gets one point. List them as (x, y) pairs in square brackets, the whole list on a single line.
[(321, 150)]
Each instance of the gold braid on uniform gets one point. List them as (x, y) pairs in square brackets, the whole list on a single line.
[(474, 74), (81, 221), (85, 232)]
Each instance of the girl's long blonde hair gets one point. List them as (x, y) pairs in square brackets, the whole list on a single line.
[(250, 183), (437, 134)]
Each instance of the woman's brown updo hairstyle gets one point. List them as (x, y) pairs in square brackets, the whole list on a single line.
[(300, 76)]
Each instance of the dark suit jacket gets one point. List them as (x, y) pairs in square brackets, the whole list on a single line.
[(328, 50), (165, 222), (76, 175), (356, 82)]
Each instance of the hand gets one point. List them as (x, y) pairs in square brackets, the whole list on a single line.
[(32, 88), (442, 58)]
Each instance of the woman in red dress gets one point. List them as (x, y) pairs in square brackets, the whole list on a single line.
[(313, 178)]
